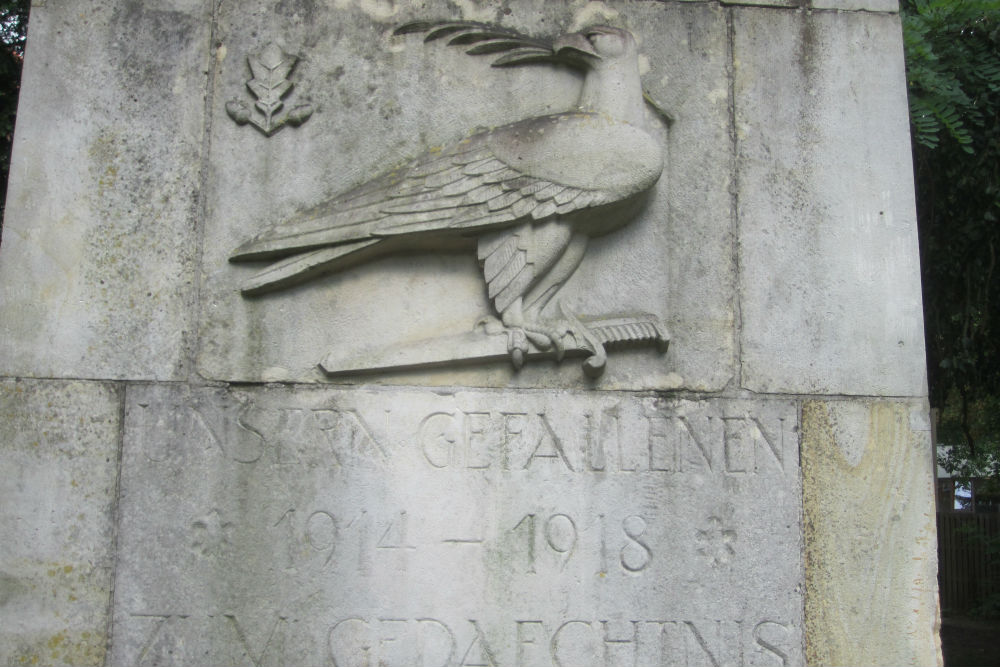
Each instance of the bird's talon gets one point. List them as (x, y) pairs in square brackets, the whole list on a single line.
[(540, 340), (517, 340), (517, 345), (559, 347)]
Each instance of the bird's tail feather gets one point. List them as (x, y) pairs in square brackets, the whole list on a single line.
[(304, 266)]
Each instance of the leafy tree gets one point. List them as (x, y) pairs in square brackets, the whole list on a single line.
[(982, 420), (13, 30), (953, 75)]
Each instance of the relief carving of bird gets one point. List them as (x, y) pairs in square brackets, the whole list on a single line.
[(528, 195)]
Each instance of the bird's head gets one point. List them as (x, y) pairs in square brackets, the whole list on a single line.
[(607, 55), (588, 47)]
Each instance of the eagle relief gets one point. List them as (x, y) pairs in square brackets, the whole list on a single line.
[(527, 196)]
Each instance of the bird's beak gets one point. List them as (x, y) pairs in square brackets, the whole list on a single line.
[(574, 45)]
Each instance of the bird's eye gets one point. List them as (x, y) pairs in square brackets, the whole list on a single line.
[(592, 38)]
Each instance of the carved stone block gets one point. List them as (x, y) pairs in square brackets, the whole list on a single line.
[(872, 461), (100, 245), (339, 416), (832, 303), (392, 99), (59, 458), (471, 527)]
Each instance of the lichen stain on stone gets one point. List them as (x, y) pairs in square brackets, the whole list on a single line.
[(152, 32), (130, 209), (69, 647), (867, 535), (10, 588), (83, 649)]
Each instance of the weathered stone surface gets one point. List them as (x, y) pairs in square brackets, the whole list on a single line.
[(59, 456), (871, 552), (100, 239), (412, 527), (841, 5), (381, 100), (489, 517), (830, 286)]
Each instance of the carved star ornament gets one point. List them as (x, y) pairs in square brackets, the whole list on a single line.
[(528, 196)]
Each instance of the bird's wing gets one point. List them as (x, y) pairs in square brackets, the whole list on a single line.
[(461, 189)]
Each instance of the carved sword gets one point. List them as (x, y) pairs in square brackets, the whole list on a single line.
[(589, 336)]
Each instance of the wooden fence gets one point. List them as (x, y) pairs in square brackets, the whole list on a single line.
[(968, 569)]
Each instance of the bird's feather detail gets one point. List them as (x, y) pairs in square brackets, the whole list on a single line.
[(566, 196), (544, 210), (490, 243), (522, 207), (504, 200), (505, 274), (453, 175), (482, 194), (485, 166), (517, 287), (500, 175), (549, 191), (298, 267), (518, 182), (496, 257)]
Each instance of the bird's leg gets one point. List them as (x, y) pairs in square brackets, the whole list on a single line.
[(545, 289), (548, 254), (567, 325), (522, 317)]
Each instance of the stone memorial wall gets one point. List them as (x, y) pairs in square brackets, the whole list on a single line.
[(452, 334)]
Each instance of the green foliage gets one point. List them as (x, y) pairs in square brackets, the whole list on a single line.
[(982, 419), (13, 30), (951, 57), (953, 73)]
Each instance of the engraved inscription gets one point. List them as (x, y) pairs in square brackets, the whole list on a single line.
[(635, 555), (651, 441), (469, 528), (546, 541), (671, 444), (575, 642), (559, 534), (362, 640)]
